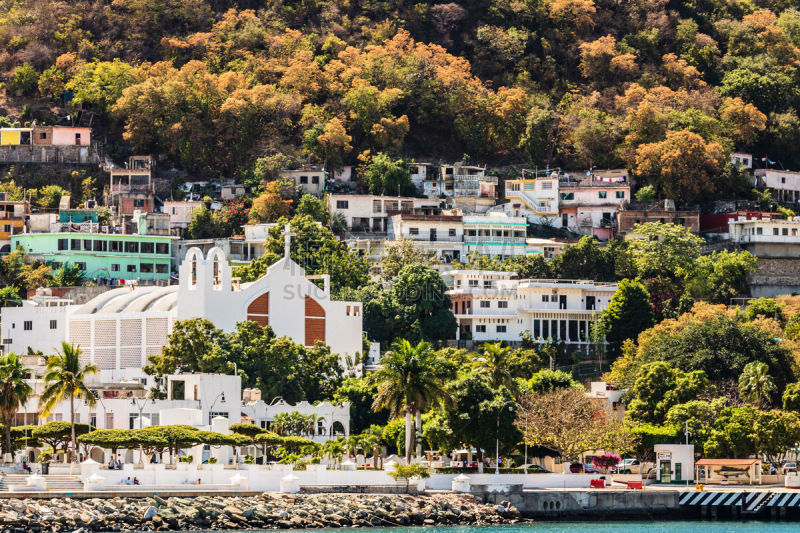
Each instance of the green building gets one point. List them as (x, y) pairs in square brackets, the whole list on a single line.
[(102, 255)]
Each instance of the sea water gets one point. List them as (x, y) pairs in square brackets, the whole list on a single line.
[(595, 526)]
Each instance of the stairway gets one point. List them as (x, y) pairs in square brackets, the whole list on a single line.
[(55, 482)]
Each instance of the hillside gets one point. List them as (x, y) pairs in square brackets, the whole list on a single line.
[(667, 89)]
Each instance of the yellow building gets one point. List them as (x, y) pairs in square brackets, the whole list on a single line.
[(12, 220)]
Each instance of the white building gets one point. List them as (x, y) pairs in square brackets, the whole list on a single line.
[(547, 248), (492, 306), (121, 328), (767, 238), (534, 198), (784, 184), (331, 420), (181, 215), (460, 180), (741, 159), (39, 324), (495, 234), (367, 213), (310, 178), (588, 204)]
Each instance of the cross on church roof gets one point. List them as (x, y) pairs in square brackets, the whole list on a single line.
[(287, 240)]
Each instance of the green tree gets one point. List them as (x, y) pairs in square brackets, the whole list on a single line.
[(765, 308), (415, 307), (24, 80), (68, 275), (494, 364), (9, 296), (721, 276), (697, 416), (207, 224), (549, 380), (65, 378), (245, 428), (664, 249), (360, 393), (408, 383), (101, 83), (628, 314), (791, 397), (529, 267), (755, 384), (313, 207), (14, 392), (660, 387), (401, 254), (584, 260), (59, 434), (190, 348), (50, 196), (733, 433), (386, 176), (777, 433), (646, 194)]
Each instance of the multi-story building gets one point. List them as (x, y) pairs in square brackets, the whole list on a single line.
[(495, 234), (310, 178), (588, 204), (460, 180), (12, 220), (533, 198), (492, 306), (367, 213), (131, 187), (719, 223), (439, 234), (47, 144), (419, 172), (102, 256), (180, 215), (629, 217), (784, 184), (743, 160), (776, 245)]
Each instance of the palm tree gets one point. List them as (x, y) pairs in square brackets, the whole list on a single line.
[(494, 363), (65, 378), (14, 391), (409, 382), (334, 449), (755, 383)]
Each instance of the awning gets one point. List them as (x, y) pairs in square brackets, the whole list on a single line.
[(726, 462)]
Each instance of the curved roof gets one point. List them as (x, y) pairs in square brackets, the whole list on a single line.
[(132, 300)]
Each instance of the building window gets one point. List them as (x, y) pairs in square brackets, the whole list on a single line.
[(501, 329), (54, 324), (75, 244), (114, 267), (502, 304), (451, 232), (131, 247), (87, 245), (376, 206), (162, 248), (783, 180), (100, 245), (775, 231), (315, 180), (80, 265), (473, 283), (43, 135), (342, 204), (785, 231), (162, 269), (138, 202), (147, 248), (63, 244), (303, 180), (77, 138), (7, 228), (602, 194), (485, 304), (480, 328), (620, 194), (27, 325), (116, 246), (131, 268), (545, 298), (567, 195), (487, 284), (547, 185), (146, 268), (413, 231), (759, 231)]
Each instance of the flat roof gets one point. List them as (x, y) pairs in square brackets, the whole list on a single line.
[(726, 462)]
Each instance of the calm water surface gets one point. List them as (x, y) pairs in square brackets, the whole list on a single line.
[(633, 526)]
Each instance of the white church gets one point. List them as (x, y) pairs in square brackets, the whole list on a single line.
[(119, 329)]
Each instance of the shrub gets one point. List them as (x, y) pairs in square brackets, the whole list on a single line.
[(411, 471), (249, 460), (212, 460), (607, 460), (187, 459)]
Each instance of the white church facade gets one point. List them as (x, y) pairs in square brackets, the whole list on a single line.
[(119, 329)]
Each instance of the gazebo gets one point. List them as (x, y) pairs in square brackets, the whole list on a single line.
[(723, 471)]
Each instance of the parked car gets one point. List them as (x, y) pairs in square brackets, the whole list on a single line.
[(789, 468), (535, 469), (577, 468), (633, 466)]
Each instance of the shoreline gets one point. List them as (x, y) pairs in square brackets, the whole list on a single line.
[(265, 511)]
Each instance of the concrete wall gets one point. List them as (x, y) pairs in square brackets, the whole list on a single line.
[(528, 481)]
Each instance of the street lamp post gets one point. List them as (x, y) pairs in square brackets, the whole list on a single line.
[(220, 396), (497, 437), (140, 407)]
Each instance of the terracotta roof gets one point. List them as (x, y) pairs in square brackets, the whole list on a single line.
[(726, 462)]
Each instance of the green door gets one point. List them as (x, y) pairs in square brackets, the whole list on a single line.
[(678, 472), (666, 466)]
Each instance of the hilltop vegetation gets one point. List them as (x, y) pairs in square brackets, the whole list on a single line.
[(667, 89)]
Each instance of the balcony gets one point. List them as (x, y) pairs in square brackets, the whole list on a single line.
[(483, 312), (519, 241), (74, 227)]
